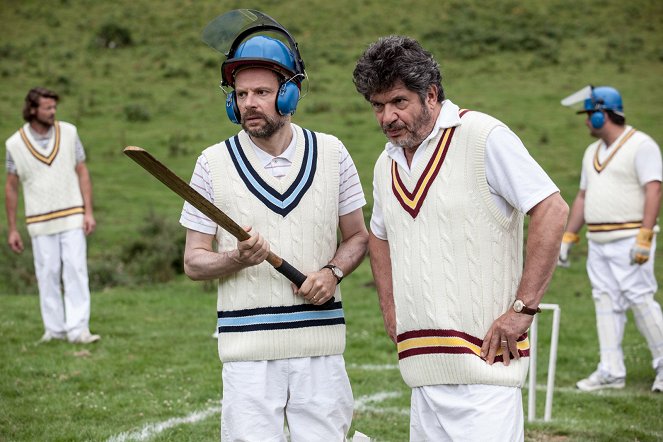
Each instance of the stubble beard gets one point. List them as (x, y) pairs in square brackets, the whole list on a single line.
[(414, 135), (46, 123), (271, 126)]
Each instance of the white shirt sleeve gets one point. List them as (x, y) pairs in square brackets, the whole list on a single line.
[(583, 177), (648, 164), (377, 220), (515, 179), (191, 217), (351, 194), (80, 151), (9, 163)]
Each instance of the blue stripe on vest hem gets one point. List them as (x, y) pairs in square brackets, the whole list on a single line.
[(282, 326), (278, 310), (282, 317)]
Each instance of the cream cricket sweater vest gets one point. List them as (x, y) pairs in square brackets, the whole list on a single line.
[(614, 198), (456, 259), (259, 318), (51, 190)]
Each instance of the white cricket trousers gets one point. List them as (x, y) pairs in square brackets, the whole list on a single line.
[(312, 395), (466, 413), (618, 285), (61, 260)]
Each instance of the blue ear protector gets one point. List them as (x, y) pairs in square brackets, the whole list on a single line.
[(602, 98), (232, 110), (597, 119), (286, 102)]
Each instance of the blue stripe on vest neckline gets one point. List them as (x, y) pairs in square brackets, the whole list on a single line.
[(274, 200)]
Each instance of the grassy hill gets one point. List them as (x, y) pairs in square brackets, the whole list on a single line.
[(136, 73)]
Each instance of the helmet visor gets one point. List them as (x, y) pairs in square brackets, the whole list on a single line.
[(221, 33)]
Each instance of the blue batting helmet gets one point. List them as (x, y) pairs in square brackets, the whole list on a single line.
[(604, 98), (261, 51)]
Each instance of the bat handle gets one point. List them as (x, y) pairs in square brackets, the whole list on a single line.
[(297, 277)]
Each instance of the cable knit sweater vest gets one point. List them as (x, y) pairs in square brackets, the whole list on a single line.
[(259, 317), (614, 198), (456, 259), (51, 190)]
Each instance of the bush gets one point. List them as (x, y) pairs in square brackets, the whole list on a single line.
[(17, 271), (156, 253), (105, 272), (178, 145), (112, 36), (137, 113)]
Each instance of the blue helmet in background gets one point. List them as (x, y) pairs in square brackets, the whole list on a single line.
[(604, 98), (261, 51)]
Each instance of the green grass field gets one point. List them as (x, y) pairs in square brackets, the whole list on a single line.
[(155, 375)]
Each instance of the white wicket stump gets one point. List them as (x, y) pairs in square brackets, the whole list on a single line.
[(552, 364)]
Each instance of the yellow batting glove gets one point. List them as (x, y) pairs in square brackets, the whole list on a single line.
[(642, 246), (568, 240)]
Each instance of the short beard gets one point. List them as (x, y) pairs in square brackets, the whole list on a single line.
[(45, 123), (272, 125), (413, 138)]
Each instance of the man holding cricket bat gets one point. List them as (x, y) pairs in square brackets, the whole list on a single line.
[(292, 188)]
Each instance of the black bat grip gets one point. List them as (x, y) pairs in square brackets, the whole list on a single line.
[(297, 278)]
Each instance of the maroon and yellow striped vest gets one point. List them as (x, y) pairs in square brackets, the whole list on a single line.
[(456, 259)]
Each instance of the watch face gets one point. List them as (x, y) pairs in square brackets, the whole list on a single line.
[(337, 272), (518, 305)]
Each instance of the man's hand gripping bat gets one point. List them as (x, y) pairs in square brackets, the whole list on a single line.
[(177, 185)]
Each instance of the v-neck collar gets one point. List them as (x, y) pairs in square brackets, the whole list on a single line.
[(284, 194), (623, 138), (448, 117), (51, 150), (426, 169)]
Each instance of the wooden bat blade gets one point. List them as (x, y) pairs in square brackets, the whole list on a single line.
[(183, 189), (189, 194)]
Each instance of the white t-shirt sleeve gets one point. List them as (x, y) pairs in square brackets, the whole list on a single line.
[(10, 166), (377, 220), (191, 217), (515, 179), (80, 151), (583, 177), (648, 164), (350, 192)]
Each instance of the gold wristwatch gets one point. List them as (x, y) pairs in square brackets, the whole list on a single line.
[(520, 307)]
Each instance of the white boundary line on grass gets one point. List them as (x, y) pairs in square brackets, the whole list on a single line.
[(373, 367), (363, 403), (150, 430)]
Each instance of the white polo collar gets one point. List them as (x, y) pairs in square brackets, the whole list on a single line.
[(448, 117)]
